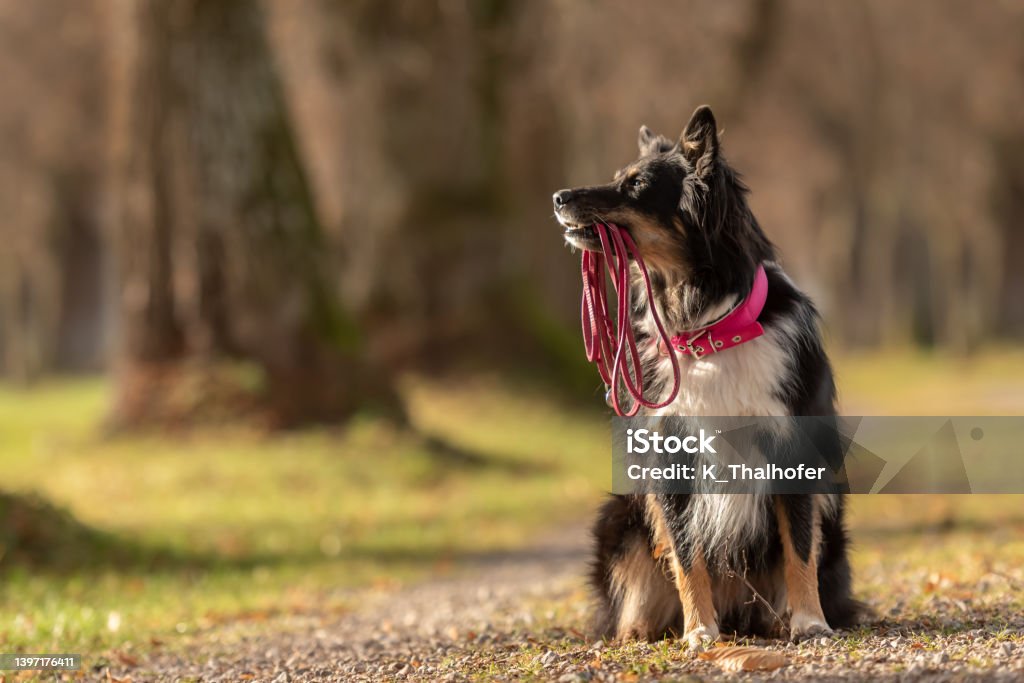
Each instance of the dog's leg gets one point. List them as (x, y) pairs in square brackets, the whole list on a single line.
[(646, 602), (799, 520), (694, 585), (636, 596), (689, 570)]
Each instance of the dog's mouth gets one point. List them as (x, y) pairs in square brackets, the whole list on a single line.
[(581, 235), (578, 232)]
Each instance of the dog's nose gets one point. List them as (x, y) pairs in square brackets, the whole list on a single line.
[(561, 198)]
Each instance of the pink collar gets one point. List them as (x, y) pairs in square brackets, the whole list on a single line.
[(736, 327)]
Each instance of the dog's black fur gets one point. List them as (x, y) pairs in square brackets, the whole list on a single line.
[(687, 211)]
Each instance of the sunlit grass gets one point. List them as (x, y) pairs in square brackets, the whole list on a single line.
[(228, 522), (914, 382)]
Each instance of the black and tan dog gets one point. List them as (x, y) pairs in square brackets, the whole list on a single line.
[(704, 564)]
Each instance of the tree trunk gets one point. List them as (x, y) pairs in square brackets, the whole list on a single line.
[(222, 253)]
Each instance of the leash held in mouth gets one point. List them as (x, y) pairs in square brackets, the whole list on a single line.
[(615, 343)]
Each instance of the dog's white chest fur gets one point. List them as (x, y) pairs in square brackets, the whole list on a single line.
[(745, 380), (742, 381)]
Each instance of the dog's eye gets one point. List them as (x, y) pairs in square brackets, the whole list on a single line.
[(633, 182)]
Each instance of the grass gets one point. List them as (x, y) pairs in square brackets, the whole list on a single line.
[(225, 523), (909, 382), (158, 535)]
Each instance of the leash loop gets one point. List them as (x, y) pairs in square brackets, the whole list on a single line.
[(601, 335)]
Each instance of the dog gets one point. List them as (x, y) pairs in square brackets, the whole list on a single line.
[(705, 564)]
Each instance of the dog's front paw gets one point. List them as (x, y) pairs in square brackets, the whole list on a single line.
[(804, 626), (698, 639)]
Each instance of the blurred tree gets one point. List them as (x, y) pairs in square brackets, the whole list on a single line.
[(433, 129), (282, 181), (221, 252), (51, 248)]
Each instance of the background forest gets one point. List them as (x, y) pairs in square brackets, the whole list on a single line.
[(316, 187), (255, 254)]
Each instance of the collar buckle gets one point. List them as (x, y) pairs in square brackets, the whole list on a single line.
[(698, 351)]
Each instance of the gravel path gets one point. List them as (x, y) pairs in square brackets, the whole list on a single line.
[(443, 629), (522, 615)]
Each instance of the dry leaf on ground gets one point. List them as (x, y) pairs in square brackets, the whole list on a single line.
[(741, 658)]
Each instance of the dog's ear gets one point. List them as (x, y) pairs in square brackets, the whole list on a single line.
[(699, 141), (650, 142), (646, 141)]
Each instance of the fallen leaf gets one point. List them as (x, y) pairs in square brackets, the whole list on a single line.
[(125, 658), (937, 581), (740, 658)]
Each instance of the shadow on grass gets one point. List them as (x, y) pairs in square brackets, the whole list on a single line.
[(37, 536), (448, 454), (944, 525)]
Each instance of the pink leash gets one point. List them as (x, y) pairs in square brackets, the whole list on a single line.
[(601, 336)]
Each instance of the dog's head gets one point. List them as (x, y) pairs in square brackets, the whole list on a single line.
[(681, 203)]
